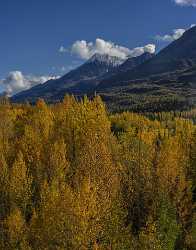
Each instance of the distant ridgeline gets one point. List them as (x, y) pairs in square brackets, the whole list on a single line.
[(162, 82), (74, 177)]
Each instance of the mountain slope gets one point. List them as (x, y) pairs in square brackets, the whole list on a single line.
[(128, 64), (179, 55), (78, 81), (133, 62), (82, 80)]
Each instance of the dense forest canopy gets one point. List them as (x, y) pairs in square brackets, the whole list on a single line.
[(73, 176)]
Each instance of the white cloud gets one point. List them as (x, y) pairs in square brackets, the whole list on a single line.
[(16, 82), (85, 50), (176, 34), (186, 2)]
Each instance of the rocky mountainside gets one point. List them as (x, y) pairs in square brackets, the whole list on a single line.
[(180, 55)]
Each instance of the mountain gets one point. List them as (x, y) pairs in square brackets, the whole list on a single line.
[(133, 62), (165, 81), (180, 55), (105, 60), (78, 81), (82, 80)]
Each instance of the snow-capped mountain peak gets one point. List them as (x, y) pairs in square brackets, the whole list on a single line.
[(106, 59)]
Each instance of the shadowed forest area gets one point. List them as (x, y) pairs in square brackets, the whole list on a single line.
[(73, 176)]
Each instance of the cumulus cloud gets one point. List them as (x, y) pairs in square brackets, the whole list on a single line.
[(85, 50), (176, 34), (186, 2), (16, 82)]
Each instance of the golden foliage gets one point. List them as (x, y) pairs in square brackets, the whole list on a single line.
[(74, 177)]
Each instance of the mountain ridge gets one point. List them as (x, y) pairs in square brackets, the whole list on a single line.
[(166, 79), (177, 55), (83, 79)]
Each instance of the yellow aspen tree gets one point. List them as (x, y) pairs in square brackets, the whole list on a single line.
[(64, 119), (7, 118), (185, 213), (43, 119), (35, 144), (88, 213), (4, 200), (17, 231), (4, 187), (20, 185), (93, 162), (58, 166), (56, 224)]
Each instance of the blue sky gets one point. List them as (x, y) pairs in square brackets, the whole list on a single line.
[(31, 32)]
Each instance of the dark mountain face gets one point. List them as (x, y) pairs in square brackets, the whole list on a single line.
[(133, 62), (179, 55), (78, 81), (82, 80)]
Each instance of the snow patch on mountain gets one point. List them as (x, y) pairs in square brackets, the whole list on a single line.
[(106, 59)]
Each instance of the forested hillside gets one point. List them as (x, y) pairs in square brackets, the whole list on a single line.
[(72, 176)]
